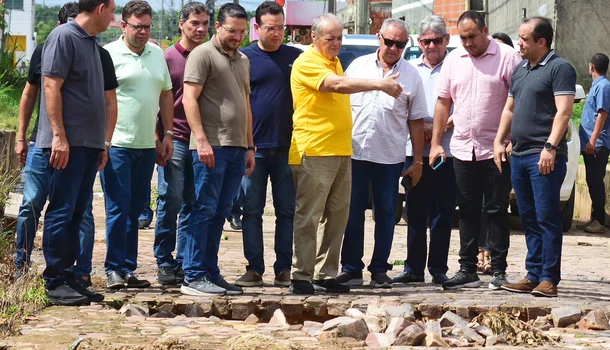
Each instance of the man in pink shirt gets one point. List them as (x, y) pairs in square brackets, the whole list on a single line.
[(475, 80)]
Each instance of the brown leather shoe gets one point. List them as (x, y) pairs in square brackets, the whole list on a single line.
[(545, 289), (523, 286)]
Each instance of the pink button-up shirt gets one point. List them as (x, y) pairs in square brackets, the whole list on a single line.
[(478, 87)]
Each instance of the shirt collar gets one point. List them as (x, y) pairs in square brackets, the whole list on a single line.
[(378, 62), (419, 61), (599, 79), (492, 49), (320, 55), (221, 50), (123, 49), (543, 62), (184, 52), (80, 30)]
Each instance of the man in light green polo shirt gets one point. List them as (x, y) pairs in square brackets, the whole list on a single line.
[(144, 87)]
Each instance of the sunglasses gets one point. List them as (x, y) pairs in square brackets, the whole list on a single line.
[(390, 43), (436, 41)]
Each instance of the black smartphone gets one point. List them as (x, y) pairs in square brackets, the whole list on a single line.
[(407, 183), (439, 161)]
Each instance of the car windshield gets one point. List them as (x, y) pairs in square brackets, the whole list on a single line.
[(349, 53)]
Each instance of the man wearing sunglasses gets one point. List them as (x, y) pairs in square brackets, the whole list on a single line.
[(474, 81), (144, 86), (433, 200), (382, 124)]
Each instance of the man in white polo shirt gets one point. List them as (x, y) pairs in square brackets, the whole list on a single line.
[(144, 86), (382, 124)]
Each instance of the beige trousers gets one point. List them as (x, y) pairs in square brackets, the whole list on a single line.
[(323, 190)]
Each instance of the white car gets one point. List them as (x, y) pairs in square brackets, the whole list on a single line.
[(567, 187)]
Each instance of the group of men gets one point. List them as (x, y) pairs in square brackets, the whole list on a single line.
[(218, 120)]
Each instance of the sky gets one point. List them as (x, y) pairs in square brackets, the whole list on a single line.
[(249, 5)]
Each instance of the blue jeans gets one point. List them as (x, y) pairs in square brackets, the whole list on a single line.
[(538, 199), (270, 162), (70, 193), (215, 189), (125, 180), (176, 198), (35, 192), (432, 201), (238, 204), (384, 181)]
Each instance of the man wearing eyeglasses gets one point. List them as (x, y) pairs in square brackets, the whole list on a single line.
[(320, 155), (475, 80), (217, 105), (381, 125), (433, 200), (272, 129), (144, 86), (176, 182)]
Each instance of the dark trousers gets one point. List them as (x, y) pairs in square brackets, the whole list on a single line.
[(475, 179), (70, 193), (538, 199), (433, 201), (595, 165), (383, 178)]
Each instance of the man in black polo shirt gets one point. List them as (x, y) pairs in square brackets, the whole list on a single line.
[(71, 132), (537, 112)]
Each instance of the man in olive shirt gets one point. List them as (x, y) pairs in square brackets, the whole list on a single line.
[(217, 105)]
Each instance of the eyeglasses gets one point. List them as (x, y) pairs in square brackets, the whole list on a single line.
[(437, 41), (274, 29), (139, 27), (234, 32), (389, 43)]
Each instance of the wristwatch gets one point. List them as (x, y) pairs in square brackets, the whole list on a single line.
[(108, 144), (169, 132), (252, 148), (549, 146)]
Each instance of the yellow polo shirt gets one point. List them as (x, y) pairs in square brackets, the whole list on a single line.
[(322, 120)]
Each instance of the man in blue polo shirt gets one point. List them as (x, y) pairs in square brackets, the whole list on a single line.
[(271, 103), (539, 106), (595, 140)]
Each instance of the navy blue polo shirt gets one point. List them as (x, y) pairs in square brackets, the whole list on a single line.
[(270, 97), (533, 90)]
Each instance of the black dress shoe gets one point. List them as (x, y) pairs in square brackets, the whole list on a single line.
[(115, 280), (66, 296), (79, 285), (132, 281), (235, 222)]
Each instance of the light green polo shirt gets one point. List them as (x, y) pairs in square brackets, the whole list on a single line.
[(141, 81)]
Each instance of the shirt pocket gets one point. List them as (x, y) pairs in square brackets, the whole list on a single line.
[(357, 99)]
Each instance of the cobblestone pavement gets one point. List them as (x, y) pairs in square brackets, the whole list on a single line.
[(585, 283)]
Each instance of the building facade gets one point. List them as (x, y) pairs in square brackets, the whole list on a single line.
[(19, 35)]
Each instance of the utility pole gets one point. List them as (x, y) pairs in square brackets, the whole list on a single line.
[(362, 17), (210, 5), (236, 2), (161, 21), (171, 19), (332, 6)]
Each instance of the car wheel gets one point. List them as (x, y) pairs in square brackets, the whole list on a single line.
[(567, 213)]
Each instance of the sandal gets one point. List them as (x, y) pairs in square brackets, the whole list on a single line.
[(481, 263), (487, 267)]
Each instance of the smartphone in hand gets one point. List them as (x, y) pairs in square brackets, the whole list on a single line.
[(439, 161)]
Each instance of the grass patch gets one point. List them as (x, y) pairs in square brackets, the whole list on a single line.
[(9, 107), (398, 263), (577, 114)]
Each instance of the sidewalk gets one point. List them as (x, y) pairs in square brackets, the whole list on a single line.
[(585, 284)]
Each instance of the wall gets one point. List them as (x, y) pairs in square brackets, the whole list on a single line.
[(379, 11), (413, 11), (450, 10), (583, 31), (506, 15), (22, 24)]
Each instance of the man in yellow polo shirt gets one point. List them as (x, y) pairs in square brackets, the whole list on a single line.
[(320, 156)]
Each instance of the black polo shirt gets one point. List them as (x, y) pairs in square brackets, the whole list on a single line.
[(533, 90)]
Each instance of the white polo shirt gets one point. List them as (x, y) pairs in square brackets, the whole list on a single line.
[(380, 129)]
